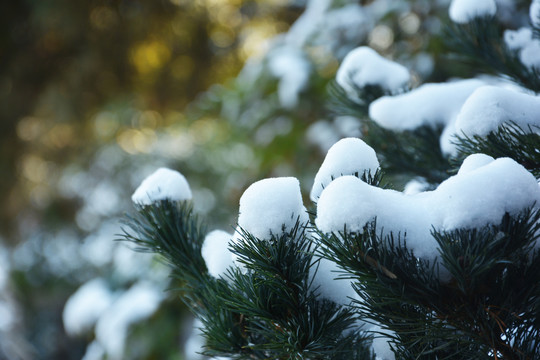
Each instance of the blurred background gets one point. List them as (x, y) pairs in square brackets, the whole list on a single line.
[(97, 94)]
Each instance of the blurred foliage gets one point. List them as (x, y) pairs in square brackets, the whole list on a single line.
[(86, 83), (62, 61)]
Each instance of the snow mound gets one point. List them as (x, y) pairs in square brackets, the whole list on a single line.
[(364, 66), (162, 184), (215, 252), (464, 11), (491, 106), (348, 156), (85, 306), (271, 206), (477, 196), (430, 104)]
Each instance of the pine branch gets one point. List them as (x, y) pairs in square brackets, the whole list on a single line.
[(480, 42), (276, 296), (494, 291), (509, 140), (172, 230)]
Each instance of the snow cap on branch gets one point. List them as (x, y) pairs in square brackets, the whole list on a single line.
[(215, 252), (464, 11), (364, 66), (491, 106), (349, 156), (478, 195), (163, 184), (271, 206), (429, 104)]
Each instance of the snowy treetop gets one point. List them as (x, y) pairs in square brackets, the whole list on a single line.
[(161, 185)]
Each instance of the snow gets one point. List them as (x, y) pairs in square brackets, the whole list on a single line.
[(364, 66), (162, 184), (271, 206), (430, 104), (473, 162), (136, 304), (215, 252), (528, 47), (195, 343), (290, 65), (534, 13), (478, 195), (94, 351), (348, 156), (339, 291), (381, 344), (464, 11), (85, 306), (415, 186), (491, 106)]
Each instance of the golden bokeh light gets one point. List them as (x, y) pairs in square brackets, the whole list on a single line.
[(150, 56)]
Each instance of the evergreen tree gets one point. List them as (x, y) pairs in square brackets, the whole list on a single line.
[(447, 269)]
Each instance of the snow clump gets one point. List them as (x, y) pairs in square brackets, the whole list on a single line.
[(363, 66), (290, 65), (464, 11), (526, 45), (85, 306), (490, 106), (163, 184), (136, 304), (349, 156), (215, 252), (478, 195), (271, 206), (430, 104), (534, 13)]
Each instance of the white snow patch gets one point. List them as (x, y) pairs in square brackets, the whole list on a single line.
[(85, 306), (430, 104), (349, 156), (491, 106), (136, 304), (415, 186), (464, 11), (329, 287), (473, 162), (94, 351), (271, 206), (525, 44), (534, 13), (477, 196), (290, 65), (215, 252), (195, 343), (381, 344), (364, 66), (162, 184)]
